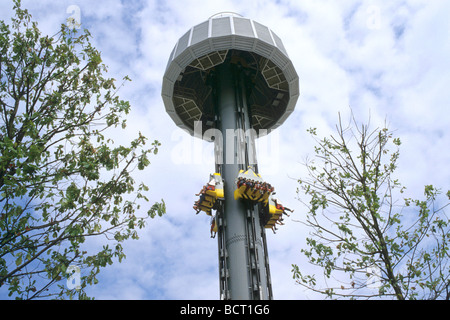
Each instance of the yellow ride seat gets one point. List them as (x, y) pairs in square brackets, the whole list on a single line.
[(274, 210), (238, 193), (207, 204), (269, 224), (274, 213), (272, 221), (212, 192), (205, 209), (244, 191), (265, 198), (210, 199), (215, 186), (219, 186)]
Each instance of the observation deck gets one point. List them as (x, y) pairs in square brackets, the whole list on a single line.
[(272, 82)]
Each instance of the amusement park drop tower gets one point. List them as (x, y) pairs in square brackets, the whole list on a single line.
[(233, 74)]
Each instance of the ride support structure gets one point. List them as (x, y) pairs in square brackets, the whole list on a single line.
[(241, 239), (233, 75)]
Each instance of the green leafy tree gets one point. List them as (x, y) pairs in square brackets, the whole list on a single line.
[(368, 238), (63, 180)]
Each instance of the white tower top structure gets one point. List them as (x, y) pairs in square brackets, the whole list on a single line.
[(276, 85)]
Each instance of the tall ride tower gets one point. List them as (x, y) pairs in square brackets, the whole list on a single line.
[(228, 80)]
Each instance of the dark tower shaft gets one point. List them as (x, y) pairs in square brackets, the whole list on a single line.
[(243, 262)]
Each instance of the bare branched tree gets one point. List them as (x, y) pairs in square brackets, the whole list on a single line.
[(368, 238)]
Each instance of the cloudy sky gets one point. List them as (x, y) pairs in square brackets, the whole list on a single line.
[(386, 59)]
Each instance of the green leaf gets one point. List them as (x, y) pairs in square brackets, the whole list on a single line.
[(19, 259)]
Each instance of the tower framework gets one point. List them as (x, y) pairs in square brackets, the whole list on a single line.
[(228, 80)]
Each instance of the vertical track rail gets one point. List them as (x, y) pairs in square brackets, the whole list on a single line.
[(223, 255), (266, 263), (254, 267)]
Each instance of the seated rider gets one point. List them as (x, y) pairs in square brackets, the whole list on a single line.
[(213, 224), (201, 191)]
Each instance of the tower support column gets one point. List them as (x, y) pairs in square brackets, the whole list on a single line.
[(241, 232)]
